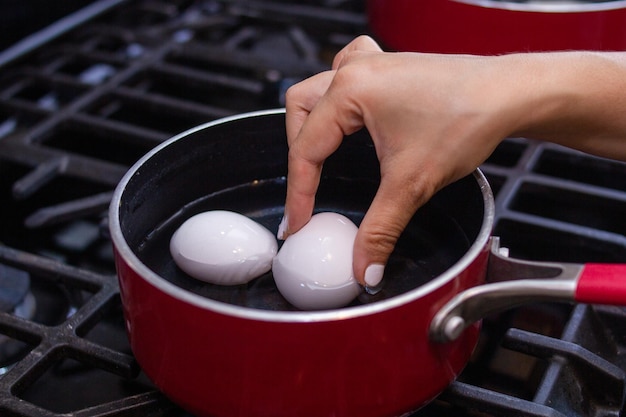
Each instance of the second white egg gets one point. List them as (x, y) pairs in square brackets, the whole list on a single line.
[(313, 269)]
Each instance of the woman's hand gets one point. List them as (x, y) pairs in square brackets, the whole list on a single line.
[(433, 119)]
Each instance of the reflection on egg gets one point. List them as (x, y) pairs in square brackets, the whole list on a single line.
[(313, 269), (223, 247)]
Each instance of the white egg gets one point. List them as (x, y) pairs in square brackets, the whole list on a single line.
[(223, 247), (313, 269)]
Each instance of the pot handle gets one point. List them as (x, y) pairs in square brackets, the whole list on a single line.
[(514, 282)]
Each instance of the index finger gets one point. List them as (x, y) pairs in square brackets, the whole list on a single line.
[(320, 135), (301, 98)]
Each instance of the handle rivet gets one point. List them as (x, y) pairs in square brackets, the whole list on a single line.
[(454, 327)]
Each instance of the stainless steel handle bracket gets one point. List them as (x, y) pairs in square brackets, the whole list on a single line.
[(511, 283)]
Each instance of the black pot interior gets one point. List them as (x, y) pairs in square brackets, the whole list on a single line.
[(241, 165)]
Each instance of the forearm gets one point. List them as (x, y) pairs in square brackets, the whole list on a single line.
[(577, 99)]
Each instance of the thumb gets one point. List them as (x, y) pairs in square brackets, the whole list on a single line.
[(388, 215)]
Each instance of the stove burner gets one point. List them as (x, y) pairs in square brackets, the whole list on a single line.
[(15, 292), (17, 299)]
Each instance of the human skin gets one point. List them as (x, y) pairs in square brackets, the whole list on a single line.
[(434, 118)]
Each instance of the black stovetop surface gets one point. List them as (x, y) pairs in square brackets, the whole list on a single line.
[(80, 102)]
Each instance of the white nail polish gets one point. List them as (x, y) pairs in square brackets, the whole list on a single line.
[(282, 228), (374, 275)]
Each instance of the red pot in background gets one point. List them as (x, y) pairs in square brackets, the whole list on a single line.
[(496, 27)]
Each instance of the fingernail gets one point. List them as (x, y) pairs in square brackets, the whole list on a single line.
[(282, 228), (373, 276)]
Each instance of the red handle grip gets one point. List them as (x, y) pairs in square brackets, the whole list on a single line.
[(602, 284)]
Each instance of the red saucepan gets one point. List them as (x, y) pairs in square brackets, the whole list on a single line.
[(495, 27), (244, 351)]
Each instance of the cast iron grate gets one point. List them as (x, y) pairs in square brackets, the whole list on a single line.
[(81, 103), (104, 94), (60, 350)]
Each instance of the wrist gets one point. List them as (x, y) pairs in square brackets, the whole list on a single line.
[(571, 98), (539, 92)]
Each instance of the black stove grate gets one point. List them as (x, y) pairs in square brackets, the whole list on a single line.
[(59, 351), (82, 100)]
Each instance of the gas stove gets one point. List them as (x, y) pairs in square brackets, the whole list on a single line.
[(85, 97)]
